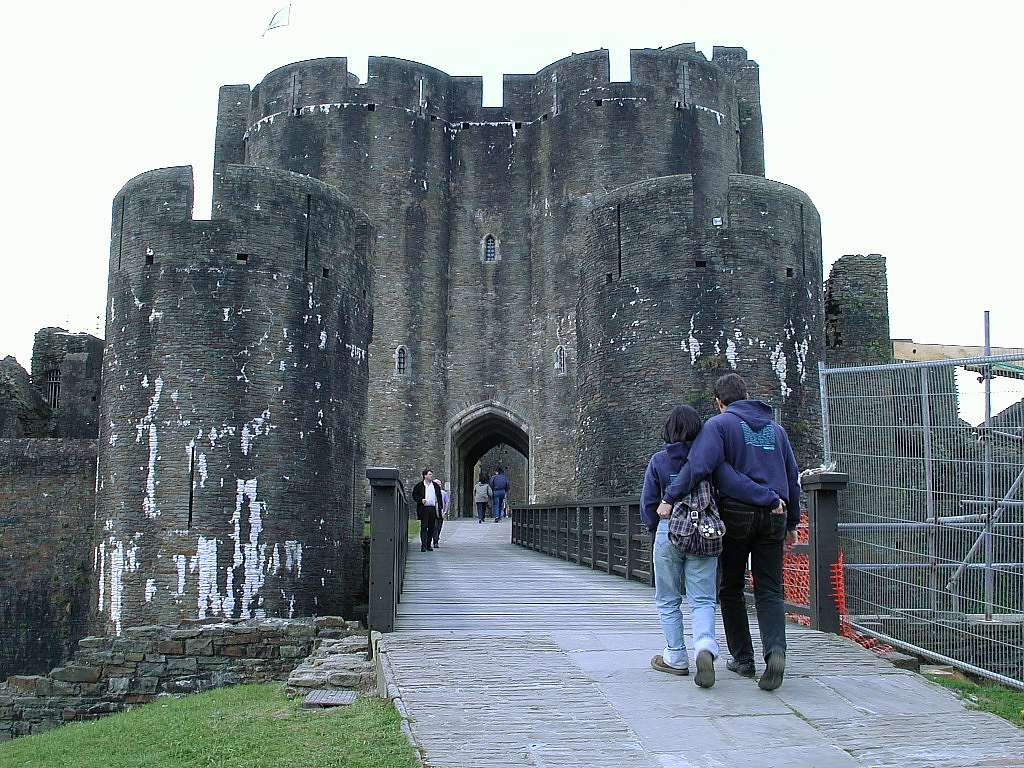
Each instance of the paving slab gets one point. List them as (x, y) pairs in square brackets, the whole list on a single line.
[(546, 663)]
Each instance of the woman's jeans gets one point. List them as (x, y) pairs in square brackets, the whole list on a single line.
[(481, 510), (673, 569)]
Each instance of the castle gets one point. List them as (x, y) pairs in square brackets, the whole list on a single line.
[(395, 275)]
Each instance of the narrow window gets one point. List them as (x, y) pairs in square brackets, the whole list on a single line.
[(53, 389), (490, 248), (560, 360), (700, 264), (401, 361), (790, 272), (327, 272), (149, 258), (242, 257)]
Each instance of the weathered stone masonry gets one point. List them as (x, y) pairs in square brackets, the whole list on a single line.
[(108, 675), (47, 502), (234, 399)]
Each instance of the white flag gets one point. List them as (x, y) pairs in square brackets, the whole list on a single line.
[(280, 19)]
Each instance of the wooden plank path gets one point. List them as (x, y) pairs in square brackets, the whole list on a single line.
[(506, 657)]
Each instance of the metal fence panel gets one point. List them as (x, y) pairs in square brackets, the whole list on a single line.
[(932, 522)]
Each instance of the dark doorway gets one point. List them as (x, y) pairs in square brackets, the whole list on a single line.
[(488, 432)]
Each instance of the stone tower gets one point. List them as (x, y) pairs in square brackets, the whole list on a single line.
[(234, 397)]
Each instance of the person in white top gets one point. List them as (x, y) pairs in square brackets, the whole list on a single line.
[(429, 499)]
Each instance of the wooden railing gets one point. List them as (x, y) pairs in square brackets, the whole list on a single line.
[(607, 535), (604, 534)]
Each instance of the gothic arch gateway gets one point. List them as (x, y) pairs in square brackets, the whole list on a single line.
[(469, 435)]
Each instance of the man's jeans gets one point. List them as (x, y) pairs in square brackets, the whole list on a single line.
[(672, 569), (499, 504), (759, 533)]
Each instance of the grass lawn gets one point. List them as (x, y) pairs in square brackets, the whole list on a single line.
[(1008, 703), (246, 726)]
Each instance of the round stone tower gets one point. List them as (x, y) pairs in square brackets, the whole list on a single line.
[(231, 462), (670, 301)]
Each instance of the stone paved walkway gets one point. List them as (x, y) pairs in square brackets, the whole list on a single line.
[(504, 657)]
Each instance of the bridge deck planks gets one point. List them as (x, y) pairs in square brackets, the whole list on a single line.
[(506, 657)]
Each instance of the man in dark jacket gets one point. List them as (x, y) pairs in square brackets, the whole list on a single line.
[(759, 525), (428, 498), (500, 487)]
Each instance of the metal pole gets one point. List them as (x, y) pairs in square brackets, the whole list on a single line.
[(989, 573), (929, 481), (826, 440)]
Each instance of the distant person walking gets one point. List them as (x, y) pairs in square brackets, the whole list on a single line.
[(500, 486), (446, 501), (428, 498), (760, 525), (482, 495)]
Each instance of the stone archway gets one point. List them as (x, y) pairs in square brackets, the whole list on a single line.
[(473, 432)]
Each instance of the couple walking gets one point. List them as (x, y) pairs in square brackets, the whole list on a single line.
[(750, 461)]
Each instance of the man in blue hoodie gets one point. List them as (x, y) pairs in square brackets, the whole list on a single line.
[(760, 524)]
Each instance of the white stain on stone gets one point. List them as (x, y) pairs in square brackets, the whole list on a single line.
[(181, 564), (248, 553), (323, 340), (204, 565), (719, 116), (203, 472), (150, 590), (256, 427), (147, 427), (115, 558), (691, 344), (730, 353), (778, 358)]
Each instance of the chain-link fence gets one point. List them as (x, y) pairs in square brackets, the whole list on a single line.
[(932, 522)]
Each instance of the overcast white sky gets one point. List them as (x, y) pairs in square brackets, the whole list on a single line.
[(901, 120)]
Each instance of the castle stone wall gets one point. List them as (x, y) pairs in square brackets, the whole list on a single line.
[(47, 502), (234, 398)]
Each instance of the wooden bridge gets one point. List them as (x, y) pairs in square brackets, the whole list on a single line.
[(506, 657)]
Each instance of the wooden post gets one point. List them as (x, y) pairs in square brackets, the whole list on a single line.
[(823, 517), (389, 544)]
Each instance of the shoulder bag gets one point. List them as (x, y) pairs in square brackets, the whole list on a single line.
[(695, 527)]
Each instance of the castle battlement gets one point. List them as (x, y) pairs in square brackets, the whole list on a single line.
[(262, 218), (679, 75)]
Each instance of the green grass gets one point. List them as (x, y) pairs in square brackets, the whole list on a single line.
[(246, 726), (1008, 703)]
